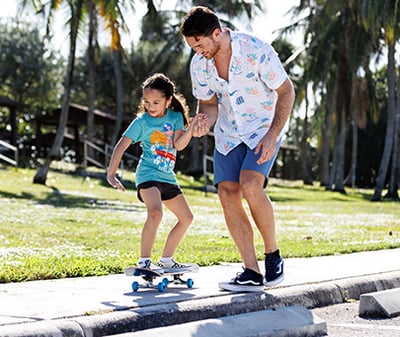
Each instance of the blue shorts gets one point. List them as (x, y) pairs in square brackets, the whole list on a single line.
[(228, 167)]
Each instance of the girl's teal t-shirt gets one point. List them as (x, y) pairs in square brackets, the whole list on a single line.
[(156, 135)]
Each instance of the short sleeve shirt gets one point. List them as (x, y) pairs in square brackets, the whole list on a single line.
[(157, 161), (246, 102)]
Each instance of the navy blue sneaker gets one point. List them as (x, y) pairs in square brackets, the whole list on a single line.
[(273, 269), (248, 280)]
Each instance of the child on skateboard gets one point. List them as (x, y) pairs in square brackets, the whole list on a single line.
[(160, 127)]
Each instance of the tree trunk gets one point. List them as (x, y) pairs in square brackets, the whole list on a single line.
[(119, 88), (394, 173), (41, 174), (339, 176), (351, 177), (333, 168), (387, 151), (91, 70), (326, 136), (343, 106), (304, 149)]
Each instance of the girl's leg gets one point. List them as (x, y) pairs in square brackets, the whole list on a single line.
[(181, 210), (152, 199)]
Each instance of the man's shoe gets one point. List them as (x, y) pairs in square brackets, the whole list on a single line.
[(248, 280), (273, 269)]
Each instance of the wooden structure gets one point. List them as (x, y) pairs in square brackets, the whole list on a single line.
[(75, 133), (12, 106)]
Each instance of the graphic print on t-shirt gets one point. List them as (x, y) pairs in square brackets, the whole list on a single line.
[(164, 153)]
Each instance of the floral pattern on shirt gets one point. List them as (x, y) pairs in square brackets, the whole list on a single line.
[(247, 101)]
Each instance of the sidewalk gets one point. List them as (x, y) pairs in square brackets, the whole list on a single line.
[(105, 305)]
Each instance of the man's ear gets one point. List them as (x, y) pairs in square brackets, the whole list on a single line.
[(216, 33)]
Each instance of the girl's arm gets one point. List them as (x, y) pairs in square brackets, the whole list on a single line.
[(210, 110), (182, 138), (116, 157)]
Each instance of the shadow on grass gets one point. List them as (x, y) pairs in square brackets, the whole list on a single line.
[(23, 195), (309, 194), (56, 198)]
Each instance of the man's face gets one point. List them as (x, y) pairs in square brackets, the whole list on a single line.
[(207, 46)]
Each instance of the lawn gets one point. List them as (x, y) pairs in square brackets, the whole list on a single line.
[(77, 225)]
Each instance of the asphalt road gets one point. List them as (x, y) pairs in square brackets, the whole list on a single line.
[(343, 321)]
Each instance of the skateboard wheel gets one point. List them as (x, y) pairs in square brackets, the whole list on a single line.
[(165, 282), (189, 283), (135, 286), (161, 287)]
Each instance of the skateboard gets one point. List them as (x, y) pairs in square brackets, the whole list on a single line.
[(149, 276)]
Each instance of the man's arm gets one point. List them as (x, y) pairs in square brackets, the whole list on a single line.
[(208, 108), (283, 108)]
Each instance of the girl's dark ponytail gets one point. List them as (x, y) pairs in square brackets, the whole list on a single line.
[(178, 103)]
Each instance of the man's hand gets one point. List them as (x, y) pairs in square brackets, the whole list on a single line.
[(267, 147)]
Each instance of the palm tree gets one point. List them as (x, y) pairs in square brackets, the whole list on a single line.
[(337, 47), (395, 171), (375, 15), (92, 47), (111, 12), (76, 10)]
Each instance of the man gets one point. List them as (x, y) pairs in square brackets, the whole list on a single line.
[(242, 87)]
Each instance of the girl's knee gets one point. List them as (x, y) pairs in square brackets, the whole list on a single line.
[(187, 220), (155, 215), (190, 218)]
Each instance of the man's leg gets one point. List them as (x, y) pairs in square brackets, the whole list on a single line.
[(252, 184), (262, 212), (226, 175), (238, 222)]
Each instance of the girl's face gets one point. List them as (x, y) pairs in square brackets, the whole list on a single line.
[(155, 103)]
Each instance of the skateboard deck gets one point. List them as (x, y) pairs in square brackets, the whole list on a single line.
[(149, 276)]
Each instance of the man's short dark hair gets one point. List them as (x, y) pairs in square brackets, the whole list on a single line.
[(200, 21)]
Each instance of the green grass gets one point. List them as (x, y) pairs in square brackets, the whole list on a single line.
[(79, 226)]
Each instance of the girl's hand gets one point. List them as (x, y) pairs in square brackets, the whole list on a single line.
[(200, 125), (114, 182)]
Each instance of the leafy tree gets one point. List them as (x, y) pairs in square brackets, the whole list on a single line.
[(30, 72), (76, 8), (112, 13), (337, 47), (92, 49), (384, 16)]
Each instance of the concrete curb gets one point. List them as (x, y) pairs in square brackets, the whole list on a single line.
[(118, 322), (384, 303), (280, 322)]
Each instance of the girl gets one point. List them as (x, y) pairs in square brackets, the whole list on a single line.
[(160, 127)]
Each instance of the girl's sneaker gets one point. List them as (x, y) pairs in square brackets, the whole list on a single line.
[(171, 266), (147, 264)]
